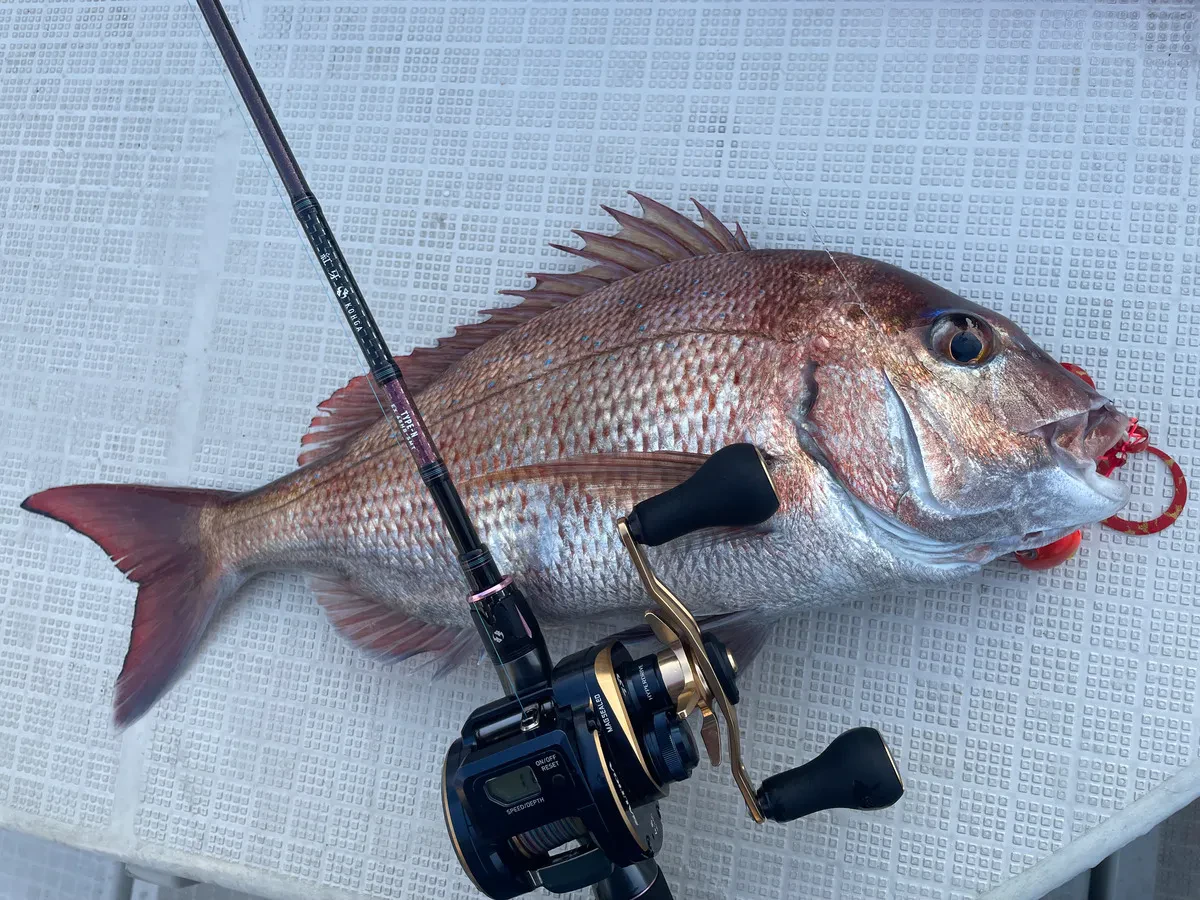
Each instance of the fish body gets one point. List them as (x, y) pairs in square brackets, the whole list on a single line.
[(911, 435), (686, 358)]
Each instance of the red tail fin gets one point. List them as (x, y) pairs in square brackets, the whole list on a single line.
[(153, 536)]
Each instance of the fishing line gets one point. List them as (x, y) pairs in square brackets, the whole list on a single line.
[(229, 86), (499, 611), (813, 228)]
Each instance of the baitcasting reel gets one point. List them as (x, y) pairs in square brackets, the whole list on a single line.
[(559, 788)]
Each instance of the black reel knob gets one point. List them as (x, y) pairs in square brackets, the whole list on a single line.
[(670, 748), (732, 488), (856, 771)]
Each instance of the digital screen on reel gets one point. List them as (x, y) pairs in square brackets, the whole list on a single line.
[(513, 787)]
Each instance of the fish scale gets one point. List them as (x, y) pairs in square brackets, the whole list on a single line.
[(894, 462)]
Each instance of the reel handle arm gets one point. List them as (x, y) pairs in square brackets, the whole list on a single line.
[(856, 771), (732, 488)]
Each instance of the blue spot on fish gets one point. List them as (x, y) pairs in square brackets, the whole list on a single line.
[(549, 359), (641, 328), (637, 306), (491, 383)]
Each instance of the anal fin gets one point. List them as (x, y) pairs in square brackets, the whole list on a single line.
[(389, 635)]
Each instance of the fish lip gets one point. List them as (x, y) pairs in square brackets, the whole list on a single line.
[(1084, 471), (1083, 466), (1099, 403)]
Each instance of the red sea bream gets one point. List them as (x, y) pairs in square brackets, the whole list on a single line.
[(912, 435)]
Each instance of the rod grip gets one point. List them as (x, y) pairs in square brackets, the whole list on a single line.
[(658, 890), (641, 881), (731, 489)]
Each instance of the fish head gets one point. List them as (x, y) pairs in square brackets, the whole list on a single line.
[(952, 430)]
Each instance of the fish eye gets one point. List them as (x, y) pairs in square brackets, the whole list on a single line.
[(962, 339)]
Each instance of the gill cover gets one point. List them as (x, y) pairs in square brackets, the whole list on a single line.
[(950, 426)]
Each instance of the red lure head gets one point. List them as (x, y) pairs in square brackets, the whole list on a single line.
[(1135, 441), (1052, 554)]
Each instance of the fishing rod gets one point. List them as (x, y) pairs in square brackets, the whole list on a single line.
[(557, 785), (501, 613)]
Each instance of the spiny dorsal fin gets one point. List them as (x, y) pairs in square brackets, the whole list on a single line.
[(657, 237)]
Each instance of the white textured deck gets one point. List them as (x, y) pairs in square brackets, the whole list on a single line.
[(1039, 158)]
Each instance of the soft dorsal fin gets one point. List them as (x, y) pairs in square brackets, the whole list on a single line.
[(657, 237), (349, 411)]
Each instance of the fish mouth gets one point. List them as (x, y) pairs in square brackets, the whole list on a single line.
[(1078, 442), (1088, 435)]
